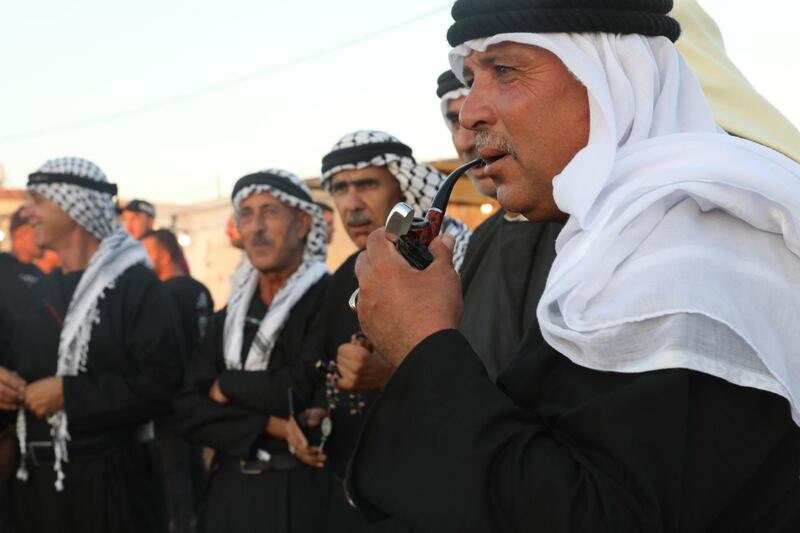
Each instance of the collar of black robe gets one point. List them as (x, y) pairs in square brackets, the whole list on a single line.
[(271, 180), (474, 19), (363, 152), (87, 183)]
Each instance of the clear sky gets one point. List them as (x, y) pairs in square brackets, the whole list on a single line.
[(66, 63)]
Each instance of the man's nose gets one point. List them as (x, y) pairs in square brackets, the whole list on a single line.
[(477, 111), (351, 200), (261, 224)]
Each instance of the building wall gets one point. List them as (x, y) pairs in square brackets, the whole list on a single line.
[(210, 255)]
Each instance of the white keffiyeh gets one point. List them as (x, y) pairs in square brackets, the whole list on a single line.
[(245, 282), (418, 182), (116, 253), (682, 249)]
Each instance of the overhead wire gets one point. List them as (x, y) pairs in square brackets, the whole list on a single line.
[(220, 86)]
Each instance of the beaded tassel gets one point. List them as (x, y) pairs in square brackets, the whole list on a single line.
[(22, 438)]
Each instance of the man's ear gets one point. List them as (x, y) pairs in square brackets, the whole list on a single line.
[(305, 220)]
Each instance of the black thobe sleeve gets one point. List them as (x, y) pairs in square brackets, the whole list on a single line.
[(446, 450), (229, 428), (266, 391), (142, 316)]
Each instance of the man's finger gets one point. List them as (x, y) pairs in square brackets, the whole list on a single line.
[(315, 416), (347, 382), (296, 436), (441, 248), (362, 265), (11, 380), (314, 457), (9, 392)]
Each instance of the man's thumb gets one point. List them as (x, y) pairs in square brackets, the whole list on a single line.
[(441, 248)]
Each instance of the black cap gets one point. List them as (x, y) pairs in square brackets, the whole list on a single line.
[(474, 19), (447, 82), (141, 206)]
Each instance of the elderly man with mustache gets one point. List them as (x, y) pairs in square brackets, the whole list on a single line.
[(366, 172), (263, 344)]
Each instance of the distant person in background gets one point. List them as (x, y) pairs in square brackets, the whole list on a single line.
[(138, 217), (192, 297), (327, 214), (183, 466), (17, 270), (48, 262)]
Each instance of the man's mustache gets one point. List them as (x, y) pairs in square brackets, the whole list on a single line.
[(358, 219), (260, 239), (484, 138)]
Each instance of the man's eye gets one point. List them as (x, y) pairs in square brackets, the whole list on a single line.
[(338, 189), (366, 185), (502, 69)]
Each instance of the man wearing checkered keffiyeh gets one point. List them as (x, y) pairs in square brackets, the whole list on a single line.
[(258, 352), (367, 172), (96, 357)]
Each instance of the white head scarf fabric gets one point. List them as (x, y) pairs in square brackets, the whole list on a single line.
[(418, 182), (118, 251), (245, 282), (448, 97), (682, 249)]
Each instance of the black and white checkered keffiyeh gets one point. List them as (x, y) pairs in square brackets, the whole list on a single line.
[(93, 210), (418, 182), (245, 282)]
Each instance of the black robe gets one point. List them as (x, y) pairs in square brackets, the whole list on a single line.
[(558, 447), (184, 474), (503, 276), (341, 324), (195, 308), (133, 370), (16, 278), (277, 501)]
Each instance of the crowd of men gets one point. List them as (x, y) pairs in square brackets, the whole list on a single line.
[(612, 350)]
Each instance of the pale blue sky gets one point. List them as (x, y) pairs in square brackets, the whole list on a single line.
[(66, 62)]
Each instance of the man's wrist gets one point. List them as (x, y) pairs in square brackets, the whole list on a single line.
[(400, 354)]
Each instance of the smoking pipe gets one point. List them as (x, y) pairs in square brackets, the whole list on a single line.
[(412, 235)]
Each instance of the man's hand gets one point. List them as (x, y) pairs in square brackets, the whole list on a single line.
[(398, 305), (298, 444), (360, 369), (215, 393), (12, 390), (45, 397)]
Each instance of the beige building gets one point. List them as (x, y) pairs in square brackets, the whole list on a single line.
[(200, 228)]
